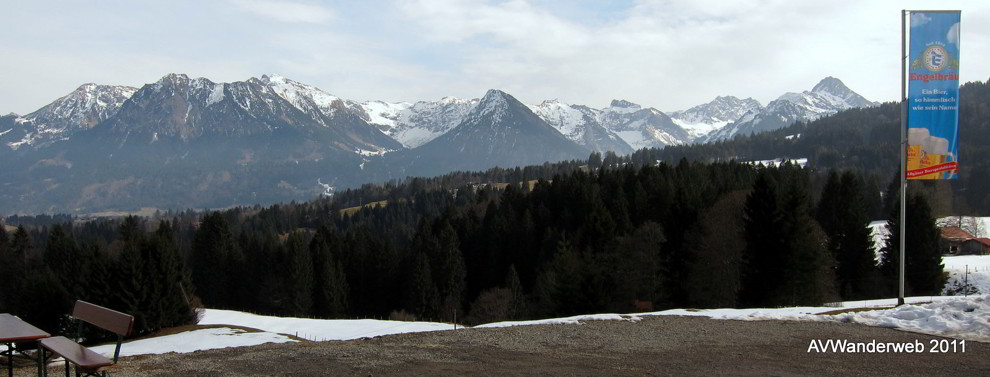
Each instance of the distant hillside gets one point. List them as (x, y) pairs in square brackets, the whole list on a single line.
[(866, 139)]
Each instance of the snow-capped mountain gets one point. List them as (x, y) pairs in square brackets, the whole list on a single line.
[(81, 109), (499, 131), (582, 125), (415, 124), (828, 97), (705, 118), (642, 128), (184, 109)]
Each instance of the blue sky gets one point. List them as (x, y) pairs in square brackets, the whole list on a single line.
[(668, 54)]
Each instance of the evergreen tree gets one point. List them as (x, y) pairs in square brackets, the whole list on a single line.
[(566, 281), (425, 299), (923, 269), (635, 269), (808, 277), (517, 306), (716, 246), (173, 297), (7, 270), (299, 277), (134, 276), (329, 283), (843, 216), (764, 252), (452, 273), (216, 262)]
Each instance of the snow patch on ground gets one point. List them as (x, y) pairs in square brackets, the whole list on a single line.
[(192, 341), (318, 329), (972, 269)]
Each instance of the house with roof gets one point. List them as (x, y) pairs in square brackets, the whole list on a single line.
[(957, 241)]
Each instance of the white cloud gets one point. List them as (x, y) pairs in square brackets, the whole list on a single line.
[(284, 11), (669, 54), (918, 19), (953, 35)]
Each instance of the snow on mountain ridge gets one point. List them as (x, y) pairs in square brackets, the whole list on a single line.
[(416, 124), (828, 97), (703, 119), (81, 109)]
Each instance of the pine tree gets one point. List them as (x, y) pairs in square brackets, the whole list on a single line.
[(763, 270), (135, 282), (716, 246), (808, 276), (843, 216), (517, 307), (215, 262), (451, 275), (173, 301), (924, 272), (329, 283), (299, 277), (424, 297)]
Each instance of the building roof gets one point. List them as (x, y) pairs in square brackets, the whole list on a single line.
[(984, 241), (955, 233)]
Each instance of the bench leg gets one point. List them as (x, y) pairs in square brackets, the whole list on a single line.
[(41, 359), (10, 359)]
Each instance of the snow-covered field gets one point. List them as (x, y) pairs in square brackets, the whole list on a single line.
[(974, 269)]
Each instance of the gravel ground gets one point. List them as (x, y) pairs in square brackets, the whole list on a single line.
[(655, 346)]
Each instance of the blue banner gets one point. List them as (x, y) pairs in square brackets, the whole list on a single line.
[(933, 96)]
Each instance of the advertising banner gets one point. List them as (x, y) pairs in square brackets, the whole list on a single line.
[(933, 95)]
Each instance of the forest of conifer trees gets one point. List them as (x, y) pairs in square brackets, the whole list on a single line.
[(610, 237)]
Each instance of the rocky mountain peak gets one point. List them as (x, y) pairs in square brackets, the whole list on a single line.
[(831, 85), (621, 103)]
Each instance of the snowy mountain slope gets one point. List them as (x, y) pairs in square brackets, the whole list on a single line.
[(417, 123), (582, 125), (706, 118), (499, 131), (184, 109), (828, 97), (79, 110), (642, 128)]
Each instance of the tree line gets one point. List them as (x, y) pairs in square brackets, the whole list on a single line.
[(611, 237)]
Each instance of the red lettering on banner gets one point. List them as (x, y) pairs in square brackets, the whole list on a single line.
[(953, 166)]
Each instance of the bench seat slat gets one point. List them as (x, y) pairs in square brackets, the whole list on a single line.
[(75, 353)]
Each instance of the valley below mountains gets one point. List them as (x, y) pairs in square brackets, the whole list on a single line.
[(186, 142)]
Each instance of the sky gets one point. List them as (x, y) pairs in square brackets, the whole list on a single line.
[(667, 54)]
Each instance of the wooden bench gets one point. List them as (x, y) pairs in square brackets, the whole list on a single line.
[(88, 362)]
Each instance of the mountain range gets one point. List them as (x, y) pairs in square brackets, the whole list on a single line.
[(190, 142)]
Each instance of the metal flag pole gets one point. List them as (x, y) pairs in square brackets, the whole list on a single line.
[(904, 141)]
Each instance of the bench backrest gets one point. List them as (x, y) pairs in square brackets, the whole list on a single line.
[(108, 319)]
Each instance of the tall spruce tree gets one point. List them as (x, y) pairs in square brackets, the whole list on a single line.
[(170, 276), (135, 280), (716, 245), (329, 283), (299, 276), (763, 256), (924, 272), (808, 275), (843, 215), (216, 262), (423, 295)]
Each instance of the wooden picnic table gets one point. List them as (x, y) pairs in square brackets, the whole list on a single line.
[(14, 330)]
